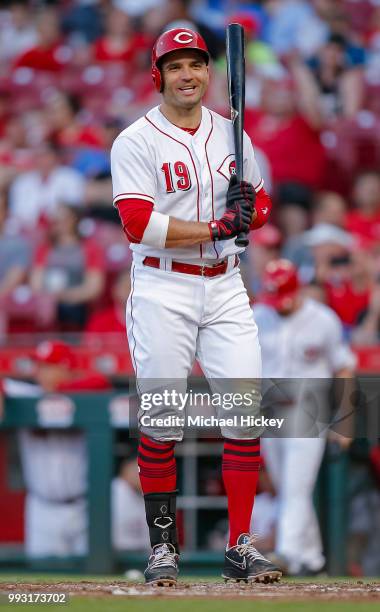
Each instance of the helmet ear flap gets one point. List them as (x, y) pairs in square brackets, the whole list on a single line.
[(157, 78)]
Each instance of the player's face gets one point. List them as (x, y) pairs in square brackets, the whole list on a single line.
[(185, 75), (289, 305), (50, 375)]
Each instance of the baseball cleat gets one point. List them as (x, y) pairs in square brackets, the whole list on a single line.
[(162, 567), (244, 562)]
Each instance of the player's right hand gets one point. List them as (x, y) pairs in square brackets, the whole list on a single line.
[(241, 192), (238, 216), (235, 220)]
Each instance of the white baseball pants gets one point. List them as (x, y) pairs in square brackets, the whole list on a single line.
[(175, 318), (293, 464)]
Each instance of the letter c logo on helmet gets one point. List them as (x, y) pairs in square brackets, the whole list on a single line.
[(183, 38), (172, 40)]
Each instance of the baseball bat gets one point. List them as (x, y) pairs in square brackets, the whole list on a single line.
[(236, 92)]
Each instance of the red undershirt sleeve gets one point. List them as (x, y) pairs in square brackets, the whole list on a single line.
[(263, 206), (134, 215)]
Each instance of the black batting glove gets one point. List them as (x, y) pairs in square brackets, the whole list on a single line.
[(235, 220), (241, 191)]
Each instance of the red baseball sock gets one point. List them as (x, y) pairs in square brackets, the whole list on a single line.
[(240, 469), (157, 466)]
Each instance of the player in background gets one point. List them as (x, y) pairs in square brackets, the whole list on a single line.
[(181, 207), (54, 461), (300, 339)]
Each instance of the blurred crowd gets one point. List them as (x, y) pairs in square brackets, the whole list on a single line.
[(74, 73)]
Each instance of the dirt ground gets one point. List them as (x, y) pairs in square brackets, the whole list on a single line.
[(285, 591)]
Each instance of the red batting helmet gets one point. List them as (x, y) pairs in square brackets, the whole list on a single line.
[(172, 40), (280, 284)]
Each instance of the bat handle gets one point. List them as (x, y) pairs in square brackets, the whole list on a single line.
[(242, 240)]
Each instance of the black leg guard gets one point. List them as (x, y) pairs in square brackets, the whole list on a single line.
[(160, 511)]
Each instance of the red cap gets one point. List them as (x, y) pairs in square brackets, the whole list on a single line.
[(247, 20), (172, 40), (280, 284), (54, 353)]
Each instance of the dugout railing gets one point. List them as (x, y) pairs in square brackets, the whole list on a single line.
[(100, 415)]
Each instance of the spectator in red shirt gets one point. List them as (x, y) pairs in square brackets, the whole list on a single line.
[(350, 298), (120, 43), (50, 53), (364, 220), (367, 331), (110, 322), (69, 270), (67, 131), (286, 128), (343, 270)]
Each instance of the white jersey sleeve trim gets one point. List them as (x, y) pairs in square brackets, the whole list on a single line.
[(258, 187), (156, 230), (133, 196)]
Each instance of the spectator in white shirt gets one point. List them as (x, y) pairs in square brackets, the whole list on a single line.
[(36, 194), (18, 32)]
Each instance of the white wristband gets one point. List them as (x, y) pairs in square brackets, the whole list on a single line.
[(156, 230)]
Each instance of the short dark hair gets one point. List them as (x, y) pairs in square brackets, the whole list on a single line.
[(337, 39), (294, 193)]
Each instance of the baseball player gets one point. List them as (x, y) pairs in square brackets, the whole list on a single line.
[(300, 338), (54, 461), (181, 208)]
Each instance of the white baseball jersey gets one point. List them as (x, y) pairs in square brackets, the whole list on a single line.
[(183, 176), (306, 344), (54, 465), (54, 462), (186, 176)]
